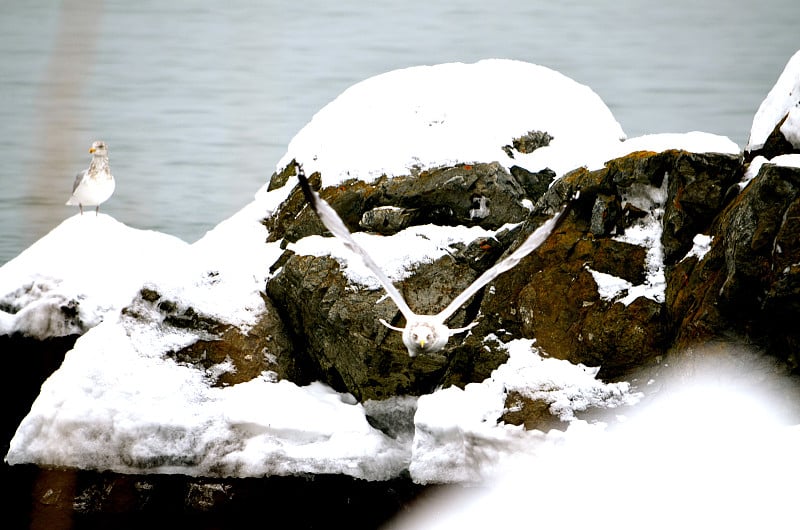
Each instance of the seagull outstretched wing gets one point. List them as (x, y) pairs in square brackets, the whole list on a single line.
[(532, 243), (334, 223)]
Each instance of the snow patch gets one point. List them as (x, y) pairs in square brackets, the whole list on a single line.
[(701, 244), (458, 438), (610, 287), (782, 100), (423, 117), (792, 160), (693, 142), (397, 255), (645, 232)]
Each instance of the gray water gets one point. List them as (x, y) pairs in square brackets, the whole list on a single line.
[(198, 100)]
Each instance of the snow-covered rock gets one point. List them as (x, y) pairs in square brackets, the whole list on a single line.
[(121, 400), (778, 116), (85, 269), (442, 115)]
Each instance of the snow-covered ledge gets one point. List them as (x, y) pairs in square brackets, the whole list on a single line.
[(118, 403)]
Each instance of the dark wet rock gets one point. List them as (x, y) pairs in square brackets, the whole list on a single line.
[(535, 183), (528, 143), (207, 496), (481, 194), (553, 298), (747, 283), (699, 184), (281, 177), (775, 145), (337, 329), (236, 356), (59, 498), (606, 213), (29, 362)]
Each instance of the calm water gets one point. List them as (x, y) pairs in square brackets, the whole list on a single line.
[(198, 100)]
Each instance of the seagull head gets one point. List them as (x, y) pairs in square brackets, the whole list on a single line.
[(99, 148), (425, 334)]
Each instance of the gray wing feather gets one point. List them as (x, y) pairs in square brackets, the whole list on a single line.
[(79, 179), (334, 223), (534, 241)]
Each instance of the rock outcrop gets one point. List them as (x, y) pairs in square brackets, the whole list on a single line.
[(749, 281), (744, 286), (661, 251), (551, 295)]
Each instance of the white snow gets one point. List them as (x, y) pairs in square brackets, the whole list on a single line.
[(430, 116), (701, 244), (457, 437), (711, 445), (694, 142), (397, 255), (792, 160), (610, 287), (93, 262), (110, 407), (783, 100), (752, 171), (118, 403), (98, 264)]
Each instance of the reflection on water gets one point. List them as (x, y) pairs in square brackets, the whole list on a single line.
[(198, 101)]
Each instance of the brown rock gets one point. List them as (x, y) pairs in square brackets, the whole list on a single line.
[(747, 283)]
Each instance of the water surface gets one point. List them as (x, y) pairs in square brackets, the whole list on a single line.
[(198, 100)]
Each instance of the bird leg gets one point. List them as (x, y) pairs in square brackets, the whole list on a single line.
[(81, 207), (97, 210)]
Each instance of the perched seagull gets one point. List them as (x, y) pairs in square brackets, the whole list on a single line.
[(95, 185), (423, 333)]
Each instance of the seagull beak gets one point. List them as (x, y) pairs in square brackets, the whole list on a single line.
[(422, 343), (92, 149)]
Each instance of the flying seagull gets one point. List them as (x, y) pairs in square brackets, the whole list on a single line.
[(423, 333), (95, 185)]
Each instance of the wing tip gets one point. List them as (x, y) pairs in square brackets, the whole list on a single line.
[(305, 185)]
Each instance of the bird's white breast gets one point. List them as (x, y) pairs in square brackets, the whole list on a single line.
[(93, 191)]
